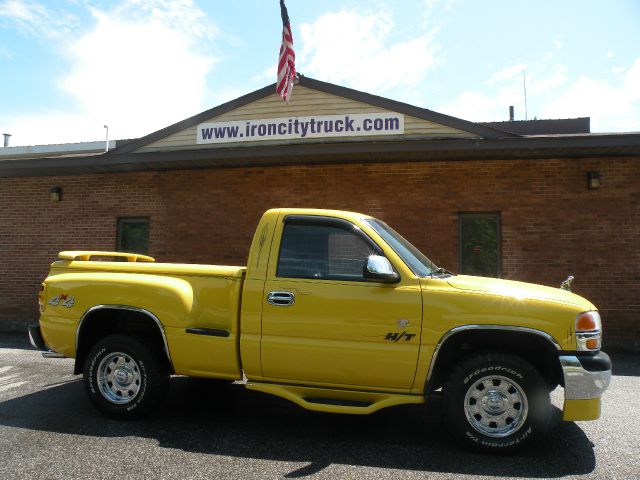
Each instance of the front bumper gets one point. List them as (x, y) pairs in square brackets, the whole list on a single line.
[(586, 377)]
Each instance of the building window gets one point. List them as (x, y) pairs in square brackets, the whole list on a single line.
[(479, 240), (133, 235)]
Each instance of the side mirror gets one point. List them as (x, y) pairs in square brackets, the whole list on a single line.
[(379, 269)]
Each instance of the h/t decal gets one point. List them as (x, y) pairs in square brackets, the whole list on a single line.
[(396, 336)]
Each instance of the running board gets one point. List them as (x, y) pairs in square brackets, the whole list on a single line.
[(335, 401)]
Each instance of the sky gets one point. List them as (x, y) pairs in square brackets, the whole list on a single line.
[(67, 68)]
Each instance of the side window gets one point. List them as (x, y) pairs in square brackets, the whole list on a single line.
[(322, 252), (133, 235), (480, 244)]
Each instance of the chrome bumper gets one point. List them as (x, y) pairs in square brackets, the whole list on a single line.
[(35, 337), (37, 342), (585, 377)]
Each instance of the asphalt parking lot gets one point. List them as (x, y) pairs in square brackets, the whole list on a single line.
[(48, 429)]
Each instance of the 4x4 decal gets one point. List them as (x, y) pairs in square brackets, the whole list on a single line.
[(64, 299)]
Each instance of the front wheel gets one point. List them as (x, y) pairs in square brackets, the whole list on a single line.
[(496, 402), (124, 377)]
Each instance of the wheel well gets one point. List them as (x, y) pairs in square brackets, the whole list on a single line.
[(106, 321), (537, 350)]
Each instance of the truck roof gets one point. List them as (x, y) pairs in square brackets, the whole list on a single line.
[(347, 215)]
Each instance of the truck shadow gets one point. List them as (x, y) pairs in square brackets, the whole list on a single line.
[(16, 340), (625, 363), (225, 419)]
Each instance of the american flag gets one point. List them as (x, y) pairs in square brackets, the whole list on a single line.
[(287, 58)]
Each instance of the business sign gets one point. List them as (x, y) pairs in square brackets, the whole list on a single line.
[(290, 128)]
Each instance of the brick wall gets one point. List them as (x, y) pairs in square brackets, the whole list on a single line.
[(552, 225)]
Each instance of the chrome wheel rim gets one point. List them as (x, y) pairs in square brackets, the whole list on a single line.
[(119, 378), (496, 406)]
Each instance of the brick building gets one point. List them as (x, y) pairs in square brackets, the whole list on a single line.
[(492, 199)]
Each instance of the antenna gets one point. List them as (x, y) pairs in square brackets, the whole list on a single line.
[(524, 84), (106, 142)]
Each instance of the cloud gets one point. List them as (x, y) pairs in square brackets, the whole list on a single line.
[(140, 67), (539, 78), (35, 19), (52, 127), (6, 53), (611, 106), (267, 75), (438, 7), (479, 107), (177, 15), (541, 82), (355, 49), (508, 73), (505, 88)]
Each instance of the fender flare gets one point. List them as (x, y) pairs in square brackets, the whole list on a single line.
[(464, 328), (143, 311)]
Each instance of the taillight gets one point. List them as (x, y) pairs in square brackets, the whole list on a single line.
[(41, 298), (588, 331)]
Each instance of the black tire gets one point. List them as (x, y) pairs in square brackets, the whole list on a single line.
[(496, 403), (124, 377)]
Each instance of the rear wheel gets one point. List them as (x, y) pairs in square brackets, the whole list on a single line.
[(124, 377), (496, 402)]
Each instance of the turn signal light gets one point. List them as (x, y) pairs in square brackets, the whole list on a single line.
[(592, 343)]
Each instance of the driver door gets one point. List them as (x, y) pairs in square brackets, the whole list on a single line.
[(324, 323)]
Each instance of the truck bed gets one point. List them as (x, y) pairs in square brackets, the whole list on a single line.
[(198, 306)]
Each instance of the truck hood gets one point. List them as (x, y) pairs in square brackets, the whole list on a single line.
[(518, 290)]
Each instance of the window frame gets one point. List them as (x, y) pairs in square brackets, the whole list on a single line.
[(124, 220), (498, 217), (318, 220)]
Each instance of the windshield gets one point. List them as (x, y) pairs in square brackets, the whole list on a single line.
[(414, 258)]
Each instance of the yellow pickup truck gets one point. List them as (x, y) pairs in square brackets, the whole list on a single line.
[(336, 312)]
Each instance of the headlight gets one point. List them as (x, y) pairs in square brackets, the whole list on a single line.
[(588, 331)]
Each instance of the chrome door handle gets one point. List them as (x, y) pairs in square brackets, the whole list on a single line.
[(281, 299)]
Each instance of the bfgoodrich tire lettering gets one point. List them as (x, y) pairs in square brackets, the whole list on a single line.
[(496, 402), (124, 377)]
